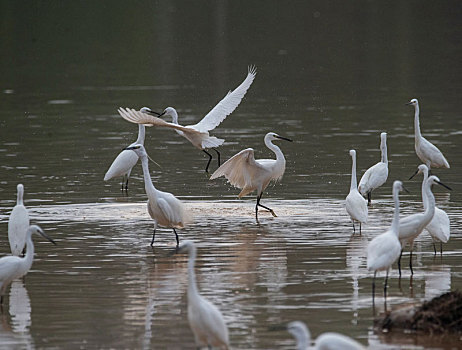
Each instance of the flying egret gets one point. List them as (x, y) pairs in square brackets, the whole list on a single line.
[(356, 205), (326, 341), (198, 134), (205, 320), (12, 267), (163, 207), (249, 174), (439, 226), (376, 175), (412, 226), (385, 249), (428, 153), (126, 160), (18, 224)]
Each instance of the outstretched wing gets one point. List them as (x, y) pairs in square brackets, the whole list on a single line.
[(138, 117), (227, 105)]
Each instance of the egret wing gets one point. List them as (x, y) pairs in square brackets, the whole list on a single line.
[(227, 105)]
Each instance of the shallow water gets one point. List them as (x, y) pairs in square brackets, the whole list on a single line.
[(329, 77)]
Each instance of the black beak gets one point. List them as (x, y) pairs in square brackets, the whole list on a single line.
[(46, 236), (416, 172), (283, 138), (129, 148), (276, 328), (445, 186), (405, 189), (408, 103), (154, 113)]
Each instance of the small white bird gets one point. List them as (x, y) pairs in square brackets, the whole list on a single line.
[(326, 341), (249, 174), (376, 175), (356, 205), (126, 160), (428, 153), (205, 320), (18, 224), (412, 226), (198, 134), (163, 207), (439, 226), (12, 267), (385, 249)]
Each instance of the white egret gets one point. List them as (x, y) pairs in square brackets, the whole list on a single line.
[(12, 267), (198, 134), (376, 175), (326, 341), (412, 226), (356, 205), (126, 160), (249, 174), (18, 223), (163, 207), (385, 249), (205, 319), (428, 153), (439, 226)]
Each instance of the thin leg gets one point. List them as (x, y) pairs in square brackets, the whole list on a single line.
[(369, 198), (210, 159), (434, 247), (410, 263), (441, 248), (399, 262), (126, 184), (373, 286), (261, 205), (354, 230), (218, 154), (153, 236), (360, 228), (176, 236), (385, 286)]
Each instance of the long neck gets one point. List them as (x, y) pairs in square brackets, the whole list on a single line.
[(429, 202), (20, 200), (29, 258), (148, 185), (384, 152), (353, 173), (277, 151), (174, 115), (192, 287), (303, 340), (417, 122), (424, 192), (141, 134), (395, 221)]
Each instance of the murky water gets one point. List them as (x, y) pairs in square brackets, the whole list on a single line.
[(330, 77)]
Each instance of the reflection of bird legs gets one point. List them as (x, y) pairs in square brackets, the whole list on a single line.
[(261, 205)]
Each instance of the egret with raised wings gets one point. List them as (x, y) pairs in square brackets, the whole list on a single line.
[(18, 223), (356, 205)]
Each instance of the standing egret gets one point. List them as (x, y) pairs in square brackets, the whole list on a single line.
[(376, 175), (326, 341), (412, 226), (205, 320), (439, 226), (18, 224), (12, 267), (126, 160), (385, 249), (356, 205), (428, 153), (163, 207), (249, 174), (198, 134)]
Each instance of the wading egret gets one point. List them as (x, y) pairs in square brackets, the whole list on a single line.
[(249, 174), (412, 226), (428, 153), (205, 320), (385, 249), (126, 160), (12, 267), (18, 223), (356, 205), (326, 341), (163, 207), (198, 134), (439, 226), (376, 175)]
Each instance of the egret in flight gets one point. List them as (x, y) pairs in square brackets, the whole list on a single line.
[(376, 175), (439, 226), (18, 223), (163, 207), (12, 267), (249, 174), (198, 134), (356, 205), (428, 153), (205, 319)]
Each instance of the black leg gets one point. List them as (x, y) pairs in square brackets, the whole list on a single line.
[(360, 228), (434, 247), (354, 230), (373, 286), (153, 236), (261, 205), (369, 198), (126, 184), (399, 262), (441, 248), (410, 263), (385, 286), (177, 239), (218, 154), (210, 159)]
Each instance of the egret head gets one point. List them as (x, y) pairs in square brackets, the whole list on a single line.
[(352, 153), (434, 180), (185, 246), (413, 102), (299, 331), (421, 169), (35, 229), (138, 149), (273, 136), (169, 111), (148, 110)]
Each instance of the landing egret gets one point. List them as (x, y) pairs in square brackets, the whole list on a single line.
[(385, 249), (205, 320), (12, 267), (163, 207), (326, 341), (198, 134), (126, 160), (439, 226), (376, 175), (18, 224), (356, 205), (428, 153), (411, 226), (249, 174)]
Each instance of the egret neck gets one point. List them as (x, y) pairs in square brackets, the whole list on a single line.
[(20, 200), (395, 221), (418, 135), (280, 159), (383, 148), (354, 184), (141, 134), (148, 185), (192, 287)]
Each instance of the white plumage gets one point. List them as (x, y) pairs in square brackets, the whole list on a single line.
[(18, 223), (356, 205)]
